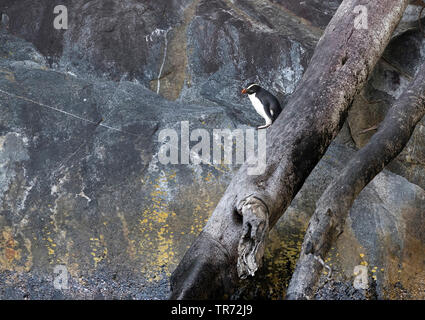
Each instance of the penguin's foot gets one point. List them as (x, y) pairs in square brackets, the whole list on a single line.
[(265, 126)]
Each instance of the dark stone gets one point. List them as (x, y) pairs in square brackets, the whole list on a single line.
[(97, 200)]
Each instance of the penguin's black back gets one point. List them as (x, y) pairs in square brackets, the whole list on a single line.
[(270, 101)]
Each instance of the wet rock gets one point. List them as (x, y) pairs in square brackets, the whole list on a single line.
[(93, 196), (380, 232), (388, 80), (338, 290), (81, 184), (318, 13)]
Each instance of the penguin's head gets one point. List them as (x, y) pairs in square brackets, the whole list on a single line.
[(251, 88)]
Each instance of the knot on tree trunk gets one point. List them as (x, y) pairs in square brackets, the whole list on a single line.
[(255, 227)]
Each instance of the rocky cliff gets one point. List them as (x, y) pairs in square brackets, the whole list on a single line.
[(81, 110)]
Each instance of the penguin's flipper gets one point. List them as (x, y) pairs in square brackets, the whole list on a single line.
[(276, 109), (268, 114)]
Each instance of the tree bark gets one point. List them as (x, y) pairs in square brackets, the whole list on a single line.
[(232, 243), (333, 206)]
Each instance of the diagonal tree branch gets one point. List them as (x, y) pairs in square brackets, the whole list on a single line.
[(333, 206), (343, 59)]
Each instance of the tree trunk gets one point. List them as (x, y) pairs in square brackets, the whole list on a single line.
[(231, 244), (333, 206)]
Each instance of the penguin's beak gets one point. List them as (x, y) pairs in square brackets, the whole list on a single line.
[(243, 91)]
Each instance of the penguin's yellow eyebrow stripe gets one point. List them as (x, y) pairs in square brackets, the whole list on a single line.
[(254, 84)]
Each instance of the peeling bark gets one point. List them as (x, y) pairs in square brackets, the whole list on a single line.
[(253, 240), (333, 206), (343, 59)]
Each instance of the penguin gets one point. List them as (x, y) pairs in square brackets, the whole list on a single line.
[(264, 103)]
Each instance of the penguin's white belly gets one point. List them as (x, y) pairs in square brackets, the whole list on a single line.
[(258, 106)]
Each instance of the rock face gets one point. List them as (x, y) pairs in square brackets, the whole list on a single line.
[(390, 77), (81, 184)]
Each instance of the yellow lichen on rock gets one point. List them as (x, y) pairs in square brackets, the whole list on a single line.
[(10, 254)]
